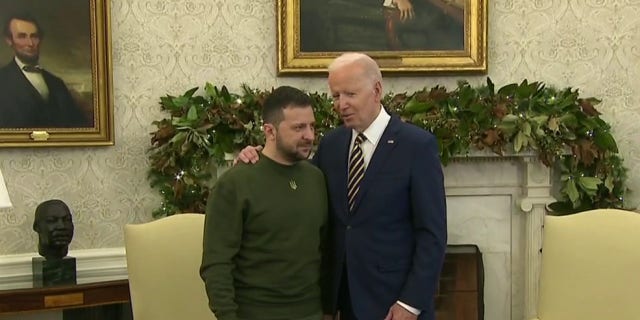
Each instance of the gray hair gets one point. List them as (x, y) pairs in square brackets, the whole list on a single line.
[(369, 66)]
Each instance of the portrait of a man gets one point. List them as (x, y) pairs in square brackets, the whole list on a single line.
[(385, 25), (32, 95)]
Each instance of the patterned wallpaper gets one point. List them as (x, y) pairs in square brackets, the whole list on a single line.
[(169, 46)]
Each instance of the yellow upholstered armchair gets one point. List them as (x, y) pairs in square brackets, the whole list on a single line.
[(163, 261), (591, 266)]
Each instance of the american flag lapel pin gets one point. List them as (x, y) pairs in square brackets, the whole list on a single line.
[(390, 141)]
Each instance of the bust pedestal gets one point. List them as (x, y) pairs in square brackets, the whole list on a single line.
[(56, 272)]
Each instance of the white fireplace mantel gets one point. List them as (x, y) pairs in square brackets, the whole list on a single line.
[(499, 203)]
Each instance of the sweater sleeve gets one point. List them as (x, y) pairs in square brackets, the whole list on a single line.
[(222, 236)]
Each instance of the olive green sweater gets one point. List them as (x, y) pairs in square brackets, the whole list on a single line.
[(264, 227)]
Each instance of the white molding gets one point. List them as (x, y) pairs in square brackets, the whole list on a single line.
[(92, 265), (488, 155)]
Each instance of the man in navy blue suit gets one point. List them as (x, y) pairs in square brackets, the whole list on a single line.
[(31, 97), (389, 234)]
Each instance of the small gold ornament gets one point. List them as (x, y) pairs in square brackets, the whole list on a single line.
[(293, 185)]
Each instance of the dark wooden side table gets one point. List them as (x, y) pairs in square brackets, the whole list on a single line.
[(64, 297)]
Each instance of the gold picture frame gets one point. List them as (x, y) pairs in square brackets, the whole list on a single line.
[(311, 33), (71, 43)]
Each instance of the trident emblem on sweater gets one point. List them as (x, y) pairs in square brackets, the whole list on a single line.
[(293, 185)]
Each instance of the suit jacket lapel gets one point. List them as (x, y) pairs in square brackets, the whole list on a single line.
[(26, 84), (344, 141), (384, 148)]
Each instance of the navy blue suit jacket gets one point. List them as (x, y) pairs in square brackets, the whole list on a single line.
[(21, 106), (394, 241)]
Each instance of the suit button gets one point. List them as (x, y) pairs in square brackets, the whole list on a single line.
[(349, 227)]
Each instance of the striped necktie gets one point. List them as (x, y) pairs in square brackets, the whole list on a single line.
[(356, 170)]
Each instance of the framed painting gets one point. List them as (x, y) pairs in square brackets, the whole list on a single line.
[(55, 73), (403, 36)]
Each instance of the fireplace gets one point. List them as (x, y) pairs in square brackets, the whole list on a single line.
[(498, 204)]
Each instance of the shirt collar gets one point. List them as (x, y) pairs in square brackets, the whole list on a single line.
[(20, 63), (376, 128)]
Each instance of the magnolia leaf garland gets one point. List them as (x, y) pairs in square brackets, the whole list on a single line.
[(564, 130)]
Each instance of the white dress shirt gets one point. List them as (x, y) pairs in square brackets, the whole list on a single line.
[(373, 134)]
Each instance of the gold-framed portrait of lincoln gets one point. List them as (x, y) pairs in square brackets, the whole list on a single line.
[(55, 73)]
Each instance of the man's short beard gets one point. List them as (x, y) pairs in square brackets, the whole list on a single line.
[(290, 155), (293, 156), (28, 60)]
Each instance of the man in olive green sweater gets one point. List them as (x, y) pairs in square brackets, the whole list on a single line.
[(265, 223)]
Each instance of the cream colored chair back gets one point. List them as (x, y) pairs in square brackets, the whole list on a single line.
[(591, 266), (163, 261)]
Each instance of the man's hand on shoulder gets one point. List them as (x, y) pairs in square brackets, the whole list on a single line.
[(249, 154)]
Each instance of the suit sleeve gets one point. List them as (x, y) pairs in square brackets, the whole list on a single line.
[(429, 216), (222, 237), (326, 249)]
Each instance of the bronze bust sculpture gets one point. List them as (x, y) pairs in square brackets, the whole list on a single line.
[(54, 226)]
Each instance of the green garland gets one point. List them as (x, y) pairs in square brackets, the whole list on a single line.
[(563, 129)]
